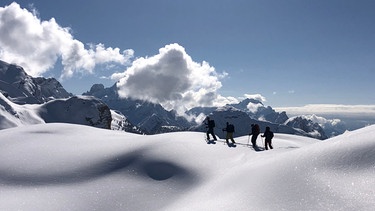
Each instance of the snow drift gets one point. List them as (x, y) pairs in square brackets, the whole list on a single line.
[(73, 167)]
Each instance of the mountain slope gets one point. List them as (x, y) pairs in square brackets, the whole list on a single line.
[(74, 167)]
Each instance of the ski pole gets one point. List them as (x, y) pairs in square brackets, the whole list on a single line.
[(223, 135), (248, 140)]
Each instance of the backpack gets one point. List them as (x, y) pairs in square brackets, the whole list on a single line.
[(230, 128), (211, 124), (256, 129), (271, 135), (268, 135)]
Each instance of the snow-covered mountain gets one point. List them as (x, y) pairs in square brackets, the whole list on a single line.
[(308, 126), (25, 100), (82, 110), (252, 107), (73, 167), (331, 127), (257, 110), (24, 89), (151, 118)]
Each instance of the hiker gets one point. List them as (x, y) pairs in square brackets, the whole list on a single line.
[(230, 131), (210, 125), (254, 132), (268, 140)]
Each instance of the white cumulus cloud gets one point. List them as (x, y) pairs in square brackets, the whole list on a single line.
[(254, 107), (36, 45), (258, 97), (170, 78)]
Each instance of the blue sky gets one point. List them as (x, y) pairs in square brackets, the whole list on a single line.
[(292, 52)]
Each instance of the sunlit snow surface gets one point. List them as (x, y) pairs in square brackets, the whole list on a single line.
[(73, 167)]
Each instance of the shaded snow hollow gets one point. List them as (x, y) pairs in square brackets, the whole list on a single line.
[(73, 167)]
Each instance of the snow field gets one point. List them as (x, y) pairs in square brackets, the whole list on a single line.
[(73, 167)]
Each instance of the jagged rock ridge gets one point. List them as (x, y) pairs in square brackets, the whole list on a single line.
[(24, 89)]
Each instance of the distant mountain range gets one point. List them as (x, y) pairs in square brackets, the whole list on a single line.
[(242, 117), (28, 100)]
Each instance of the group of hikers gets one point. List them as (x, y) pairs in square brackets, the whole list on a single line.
[(255, 131)]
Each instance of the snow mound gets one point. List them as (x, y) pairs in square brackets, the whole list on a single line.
[(60, 166)]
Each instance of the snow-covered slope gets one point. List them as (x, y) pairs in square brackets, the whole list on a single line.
[(74, 167), (120, 122), (13, 115)]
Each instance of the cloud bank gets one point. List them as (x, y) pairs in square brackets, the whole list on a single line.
[(37, 45), (172, 79), (331, 109)]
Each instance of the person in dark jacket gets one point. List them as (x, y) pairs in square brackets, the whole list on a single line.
[(230, 131), (255, 130), (268, 140), (210, 124)]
